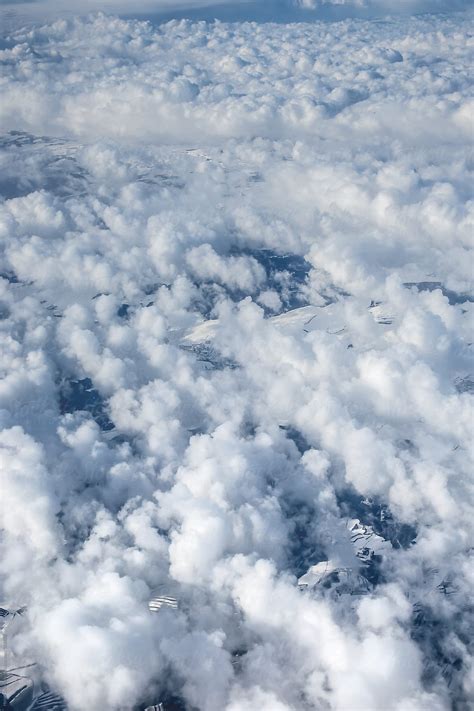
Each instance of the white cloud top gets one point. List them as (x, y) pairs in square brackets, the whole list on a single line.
[(236, 353)]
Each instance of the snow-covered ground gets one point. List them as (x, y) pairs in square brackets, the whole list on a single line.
[(236, 327)]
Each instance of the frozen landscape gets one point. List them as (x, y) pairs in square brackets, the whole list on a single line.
[(236, 372)]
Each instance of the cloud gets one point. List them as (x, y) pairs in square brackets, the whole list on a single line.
[(24, 11), (236, 316)]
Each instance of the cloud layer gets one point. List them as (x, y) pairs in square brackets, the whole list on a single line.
[(17, 13), (236, 318)]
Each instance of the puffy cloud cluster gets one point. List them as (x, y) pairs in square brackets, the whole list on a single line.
[(143, 83), (236, 352)]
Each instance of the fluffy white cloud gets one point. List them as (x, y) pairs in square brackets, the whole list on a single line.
[(236, 345)]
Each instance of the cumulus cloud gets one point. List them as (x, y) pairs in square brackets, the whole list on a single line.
[(236, 357)]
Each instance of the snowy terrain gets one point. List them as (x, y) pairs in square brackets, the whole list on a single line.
[(236, 331)]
